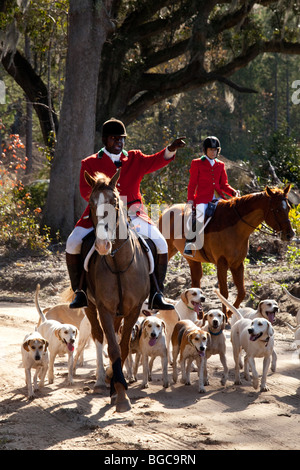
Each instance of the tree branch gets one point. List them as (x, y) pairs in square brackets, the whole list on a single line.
[(141, 31), (161, 86), (166, 54), (142, 15), (20, 69), (282, 46), (231, 84), (276, 46), (231, 19)]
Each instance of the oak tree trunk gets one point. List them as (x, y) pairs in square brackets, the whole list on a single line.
[(89, 27)]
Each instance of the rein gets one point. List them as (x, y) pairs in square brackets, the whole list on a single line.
[(117, 271), (273, 233), (112, 255)]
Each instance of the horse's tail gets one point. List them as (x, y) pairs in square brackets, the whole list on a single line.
[(36, 301), (228, 305)]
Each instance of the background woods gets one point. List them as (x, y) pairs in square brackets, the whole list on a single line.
[(165, 68)]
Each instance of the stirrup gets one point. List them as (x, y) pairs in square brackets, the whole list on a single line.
[(80, 300), (189, 248)]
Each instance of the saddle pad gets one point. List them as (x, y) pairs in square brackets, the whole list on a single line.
[(149, 253), (88, 257)]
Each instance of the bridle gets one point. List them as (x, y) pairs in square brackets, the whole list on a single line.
[(266, 229), (116, 271)]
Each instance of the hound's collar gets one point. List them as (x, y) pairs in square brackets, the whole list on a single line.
[(193, 310), (214, 334), (189, 307)]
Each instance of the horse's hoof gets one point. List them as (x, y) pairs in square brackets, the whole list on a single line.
[(113, 399), (123, 406)]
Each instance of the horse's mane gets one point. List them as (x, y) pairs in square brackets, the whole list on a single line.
[(240, 206), (240, 201)]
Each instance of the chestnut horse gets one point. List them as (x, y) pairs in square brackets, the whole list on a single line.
[(117, 281), (226, 237)]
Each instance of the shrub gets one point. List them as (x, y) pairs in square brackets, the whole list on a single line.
[(19, 224), (19, 207)]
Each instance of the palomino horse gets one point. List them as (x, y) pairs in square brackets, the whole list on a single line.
[(117, 280), (226, 237)]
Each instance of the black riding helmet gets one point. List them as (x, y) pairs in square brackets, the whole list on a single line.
[(211, 142), (113, 127)]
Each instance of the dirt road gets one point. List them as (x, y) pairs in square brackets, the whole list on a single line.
[(177, 418)]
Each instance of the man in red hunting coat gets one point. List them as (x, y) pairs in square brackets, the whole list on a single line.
[(134, 165)]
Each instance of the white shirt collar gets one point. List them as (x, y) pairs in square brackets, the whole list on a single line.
[(113, 156), (211, 161)]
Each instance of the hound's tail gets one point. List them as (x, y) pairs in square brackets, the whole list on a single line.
[(36, 301), (293, 328), (228, 305), (292, 297)]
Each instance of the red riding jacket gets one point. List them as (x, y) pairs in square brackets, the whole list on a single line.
[(134, 166), (206, 179)]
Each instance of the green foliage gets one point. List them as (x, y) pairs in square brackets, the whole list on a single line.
[(293, 250), (294, 216), (169, 185), (284, 154), (293, 254), (34, 194)]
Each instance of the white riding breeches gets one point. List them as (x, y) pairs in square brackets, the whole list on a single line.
[(74, 241), (152, 232)]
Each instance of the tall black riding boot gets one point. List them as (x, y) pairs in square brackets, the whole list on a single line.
[(156, 298), (75, 270)]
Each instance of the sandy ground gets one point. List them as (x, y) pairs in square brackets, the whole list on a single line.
[(176, 419)]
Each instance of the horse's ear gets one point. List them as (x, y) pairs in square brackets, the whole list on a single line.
[(89, 179), (114, 179), (287, 189), (269, 191)]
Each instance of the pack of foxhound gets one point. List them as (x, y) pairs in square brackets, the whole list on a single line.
[(184, 339)]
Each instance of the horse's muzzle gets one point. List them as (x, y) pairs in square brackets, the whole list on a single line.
[(286, 237), (103, 247)]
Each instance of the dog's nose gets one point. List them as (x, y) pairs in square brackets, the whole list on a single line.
[(250, 330), (202, 348), (153, 335), (37, 357)]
